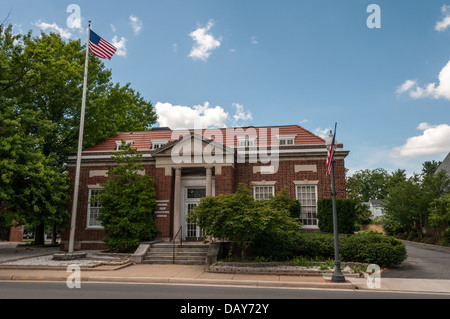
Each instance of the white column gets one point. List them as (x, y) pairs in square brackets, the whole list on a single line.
[(208, 181), (177, 202)]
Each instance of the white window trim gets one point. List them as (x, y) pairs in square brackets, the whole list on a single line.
[(243, 140), (272, 185), (119, 144), (287, 139), (297, 186), (91, 188), (160, 143)]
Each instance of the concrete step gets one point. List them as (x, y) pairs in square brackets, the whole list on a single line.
[(188, 253)]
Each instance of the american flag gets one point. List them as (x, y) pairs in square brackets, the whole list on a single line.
[(330, 155), (100, 47)]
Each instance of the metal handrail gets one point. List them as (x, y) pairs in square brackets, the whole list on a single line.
[(180, 231)]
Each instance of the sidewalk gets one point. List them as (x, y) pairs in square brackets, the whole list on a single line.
[(199, 275)]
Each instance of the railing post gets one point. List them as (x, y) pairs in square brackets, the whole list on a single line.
[(180, 232)]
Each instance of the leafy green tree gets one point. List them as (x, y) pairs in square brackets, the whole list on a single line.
[(41, 79), (127, 201), (46, 72), (408, 202), (440, 213), (346, 215), (430, 167), (33, 188), (241, 219), (404, 205), (368, 184)]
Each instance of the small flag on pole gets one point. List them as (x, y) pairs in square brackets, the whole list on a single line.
[(100, 47), (331, 154)]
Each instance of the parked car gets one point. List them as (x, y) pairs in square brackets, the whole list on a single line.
[(28, 235)]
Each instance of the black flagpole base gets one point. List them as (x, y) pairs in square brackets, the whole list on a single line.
[(337, 274)]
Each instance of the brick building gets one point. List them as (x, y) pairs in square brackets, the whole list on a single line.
[(187, 165)]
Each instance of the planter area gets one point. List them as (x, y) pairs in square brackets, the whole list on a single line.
[(279, 268)]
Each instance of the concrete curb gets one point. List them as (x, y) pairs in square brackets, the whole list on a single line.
[(222, 282), (186, 281)]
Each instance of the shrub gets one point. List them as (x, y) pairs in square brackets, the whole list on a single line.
[(373, 249), (276, 246), (446, 238), (346, 212), (242, 219), (127, 201), (317, 245)]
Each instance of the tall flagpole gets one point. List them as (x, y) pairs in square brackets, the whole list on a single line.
[(80, 149)]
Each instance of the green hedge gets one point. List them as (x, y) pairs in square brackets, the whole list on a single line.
[(373, 249), (346, 215), (366, 248)]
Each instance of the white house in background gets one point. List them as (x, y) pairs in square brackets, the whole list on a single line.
[(445, 166), (376, 207)]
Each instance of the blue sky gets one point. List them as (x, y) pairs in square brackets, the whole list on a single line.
[(266, 62)]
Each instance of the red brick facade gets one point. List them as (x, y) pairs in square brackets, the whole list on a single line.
[(297, 164)]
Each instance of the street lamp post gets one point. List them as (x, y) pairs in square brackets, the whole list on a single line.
[(337, 274)]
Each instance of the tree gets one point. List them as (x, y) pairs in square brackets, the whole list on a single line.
[(346, 214), (41, 78), (408, 202), (367, 184), (127, 201), (440, 213), (46, 73), (27, 174), (404, 205), (240, 218), (430, 167)]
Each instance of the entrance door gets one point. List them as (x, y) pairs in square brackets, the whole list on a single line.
[(192, 199)]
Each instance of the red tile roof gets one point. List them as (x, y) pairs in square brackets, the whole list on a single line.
[(142, 140)]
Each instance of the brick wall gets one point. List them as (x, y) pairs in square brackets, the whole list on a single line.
[(225, 183), (286, 176), (16, 234)]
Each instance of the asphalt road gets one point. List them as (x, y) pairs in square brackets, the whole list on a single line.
[(423, 262), (49, 290)]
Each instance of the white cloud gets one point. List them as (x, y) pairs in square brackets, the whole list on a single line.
[(204, 42), (184, 117), (434, 140), (113, 28), (431, 90), (241, 115), (136, 24), (445, 22), (53, 28), (323, 133), (405, 87), (254, 40), (120, 45)]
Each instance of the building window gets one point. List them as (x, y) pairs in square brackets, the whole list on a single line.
[(194, 193), (246, 141), (157, 144), (119, 144), (286, 140), (307, 196), (263, 192), (93, 210)]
